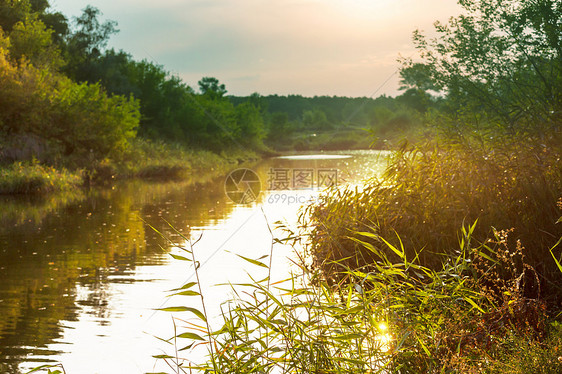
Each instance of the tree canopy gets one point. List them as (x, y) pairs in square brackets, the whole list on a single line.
[(500, 57)]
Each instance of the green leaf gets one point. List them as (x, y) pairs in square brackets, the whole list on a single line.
[(400, 253), (197, 313), (190, 335), (178, 257), (423, 346), (41, 368), (186, 293), (554, 257), (348, 336), (481, 253), (471, 302), (163, 356), (185, 286), (185, 309), (255, 262), (174, 309), (186, 347)]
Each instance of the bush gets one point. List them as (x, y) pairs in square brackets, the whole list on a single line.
[(79, 122)]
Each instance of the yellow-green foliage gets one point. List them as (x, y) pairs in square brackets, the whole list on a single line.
[(431, 189), (31, 40), (77, 121), (394, 317), (160, 160), (521, 356), (33, 178)]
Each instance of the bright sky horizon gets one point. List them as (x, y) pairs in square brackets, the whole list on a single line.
[(306, 47)]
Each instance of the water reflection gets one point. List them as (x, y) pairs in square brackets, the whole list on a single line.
[(88, 271), (57, 265), (314, 157)]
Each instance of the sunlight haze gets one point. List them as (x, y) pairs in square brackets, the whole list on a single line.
[(273, 47)]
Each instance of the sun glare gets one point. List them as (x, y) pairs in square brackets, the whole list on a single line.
[(383, 327)]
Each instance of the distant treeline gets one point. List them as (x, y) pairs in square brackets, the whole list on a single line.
[(337, 109), (348, 120)]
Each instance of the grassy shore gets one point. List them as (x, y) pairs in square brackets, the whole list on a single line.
[(33, 178), (345, 138), (144, 159), (329, 140), (432, 188), (483, 299), (164, 161)]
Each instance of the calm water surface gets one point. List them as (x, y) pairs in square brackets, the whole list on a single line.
[(80, 276)]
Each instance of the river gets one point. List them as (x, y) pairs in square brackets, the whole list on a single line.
[(81, 275)]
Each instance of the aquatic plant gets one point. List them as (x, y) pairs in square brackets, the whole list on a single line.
[(431, 188), (394, 317)]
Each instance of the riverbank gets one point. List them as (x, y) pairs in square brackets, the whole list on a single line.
[(341, 139), (106, 270), (32, 178), (144, 160), (457, 248)]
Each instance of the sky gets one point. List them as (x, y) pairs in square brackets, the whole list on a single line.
[(307, 47)]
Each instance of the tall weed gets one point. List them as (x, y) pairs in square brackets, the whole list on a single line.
[(430, 189), (394, 317)]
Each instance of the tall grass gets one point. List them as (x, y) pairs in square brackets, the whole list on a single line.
[(49, 369), (166, 161), (33, 178), (469, 316), (394, 317), (151, 160), (430, 189)]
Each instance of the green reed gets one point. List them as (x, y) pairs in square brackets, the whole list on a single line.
[(392, 317), (432, 187), (397, 315), (50, 369)]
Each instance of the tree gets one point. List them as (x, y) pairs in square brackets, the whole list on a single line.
[(315, 119), (211, 87), (58, 23), (416, 76), (502, 58), (76, 121), (30, 39), (91, 36), (250, 121), (416, 99), (87, 42), (13, 12)]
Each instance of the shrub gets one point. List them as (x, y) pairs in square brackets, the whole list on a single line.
[(79, 122), (33, 178)]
